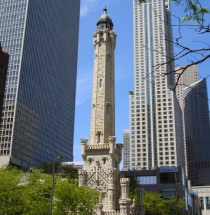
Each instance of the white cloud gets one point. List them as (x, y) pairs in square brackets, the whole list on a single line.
[(89, 5), (84, 90)]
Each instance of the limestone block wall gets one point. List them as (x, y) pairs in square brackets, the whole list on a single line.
[(101, 171), (103, 98)]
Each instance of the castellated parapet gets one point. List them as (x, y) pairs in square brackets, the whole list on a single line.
[(101, 171)]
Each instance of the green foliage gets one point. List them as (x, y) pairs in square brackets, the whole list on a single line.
[(24, 193), (73, 200), (193, 10), (68, 171), (48, 167), (36, 193), (29, 193), (142, 1), (156, 205), (61, 169), (133, 189), (10, 192)]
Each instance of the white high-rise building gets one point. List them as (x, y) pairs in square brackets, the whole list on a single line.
[(126, 148), (155, 115)]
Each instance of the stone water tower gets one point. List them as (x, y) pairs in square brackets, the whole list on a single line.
[(102, 156)]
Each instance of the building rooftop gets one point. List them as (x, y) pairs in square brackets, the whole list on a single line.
[(104, 18)]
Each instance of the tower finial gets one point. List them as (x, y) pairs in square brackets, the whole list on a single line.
[(105, 10)]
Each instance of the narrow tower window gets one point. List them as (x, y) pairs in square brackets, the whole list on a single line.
[(98, 136), (108, 107), (100, 83), (104, 161)]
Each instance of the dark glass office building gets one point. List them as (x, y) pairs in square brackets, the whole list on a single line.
[(197, 133), (4, 60), (41, 37)]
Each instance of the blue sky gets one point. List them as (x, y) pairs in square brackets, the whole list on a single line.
[(121, 14)]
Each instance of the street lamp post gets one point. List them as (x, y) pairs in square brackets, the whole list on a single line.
[(52, 188), (30, 171)]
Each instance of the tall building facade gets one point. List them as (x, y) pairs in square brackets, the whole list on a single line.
[(4, 60), (155, 115), (41, 38), (126, 149), (187, 78), (197, 133)]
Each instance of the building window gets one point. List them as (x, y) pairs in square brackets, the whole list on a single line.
[(208, 203), (168, 194), (100, 83), (146, 179), (201, 203), (168, 178), (98, 137)]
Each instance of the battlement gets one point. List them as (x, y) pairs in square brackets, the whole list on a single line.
[(98, 146), (124, 181)]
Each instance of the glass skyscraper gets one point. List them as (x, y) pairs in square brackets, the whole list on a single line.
[(189, 77), (41, 37), (155, 116), (197, 133), (4, 60)]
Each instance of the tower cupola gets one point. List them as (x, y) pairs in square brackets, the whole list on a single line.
[(105, 21)]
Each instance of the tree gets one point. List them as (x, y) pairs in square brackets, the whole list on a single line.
[(61, 169), (197, 51), (73, 200), (156, 205), (28, 193), (68, 171), (10, 192), (133, 189), (48, 167), (36, 193), (154, 202), (24, 193)]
